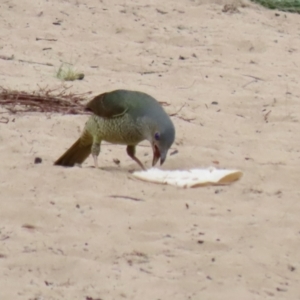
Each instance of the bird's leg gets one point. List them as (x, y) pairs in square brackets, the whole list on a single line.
[(131, 152), (95, 157), (95, 152)]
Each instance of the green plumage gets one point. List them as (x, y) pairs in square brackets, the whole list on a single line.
[(122, 117), (284, 5)]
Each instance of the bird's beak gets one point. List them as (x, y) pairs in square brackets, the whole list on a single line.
[(157, 154), (163, 156)]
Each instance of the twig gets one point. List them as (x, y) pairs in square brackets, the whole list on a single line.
[(254, 80), (174, 152), (162, 103), (34, 62), (126, 197), (180, 117), (44, 39), (266, 116), (148, 72), (43, 100), (254, 77), (5, 57), (161, 11), (186, 119), (176, 113)]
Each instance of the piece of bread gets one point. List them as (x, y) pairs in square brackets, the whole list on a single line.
[(190, 178)]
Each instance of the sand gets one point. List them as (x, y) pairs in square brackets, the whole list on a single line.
[(233, 77)]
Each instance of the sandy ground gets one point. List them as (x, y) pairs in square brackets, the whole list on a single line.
[(63, 235)]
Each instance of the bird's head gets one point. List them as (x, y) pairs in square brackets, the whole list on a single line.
[(161, 141)]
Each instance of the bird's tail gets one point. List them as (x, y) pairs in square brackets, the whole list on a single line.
[(76, 154)]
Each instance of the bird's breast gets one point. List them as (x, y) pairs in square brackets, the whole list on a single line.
[(123, 130)]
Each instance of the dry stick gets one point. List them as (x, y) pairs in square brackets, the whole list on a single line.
[(240, 115), (266, 116), (126, 197), (254, 77), (34, 62), (174, 152), (176, 113), (5, 57), (151, 72), (254, 80), (179, 117), (42, 106), (162, 103), (36, 101), (148, 72), (46, 92), (44, 100), (44, 39), (186, 119)]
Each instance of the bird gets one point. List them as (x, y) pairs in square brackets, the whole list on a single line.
[(124, 117)]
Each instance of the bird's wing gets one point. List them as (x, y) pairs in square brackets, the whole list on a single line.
[(107, 105)]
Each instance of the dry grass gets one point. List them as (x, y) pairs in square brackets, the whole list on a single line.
[(59, 100)]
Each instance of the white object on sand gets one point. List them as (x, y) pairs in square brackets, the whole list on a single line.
[(190, 178)]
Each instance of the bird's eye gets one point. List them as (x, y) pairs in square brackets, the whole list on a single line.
[(157, 136)]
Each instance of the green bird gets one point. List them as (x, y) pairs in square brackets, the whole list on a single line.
[(122, 117)]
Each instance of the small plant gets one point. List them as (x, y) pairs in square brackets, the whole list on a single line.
[(66, 72)]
